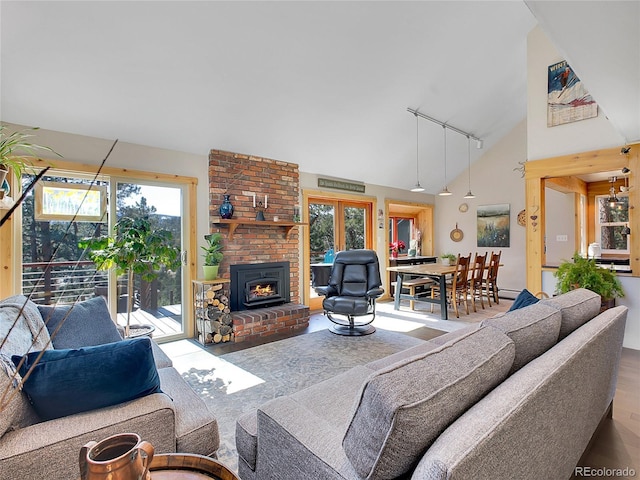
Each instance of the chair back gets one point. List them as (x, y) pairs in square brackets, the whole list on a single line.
[(355, 272), (492, 270), (462, 271), (477, 274)]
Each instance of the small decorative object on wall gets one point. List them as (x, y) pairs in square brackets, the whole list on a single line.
[(456, 234), (463, 207), (522, 218), (567, 99), (226, 208), (493, 225)]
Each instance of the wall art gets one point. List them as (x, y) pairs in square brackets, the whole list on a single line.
[(567, 98), (493, 225)]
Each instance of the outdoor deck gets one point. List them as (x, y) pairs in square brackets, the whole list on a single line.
[(167, 320)]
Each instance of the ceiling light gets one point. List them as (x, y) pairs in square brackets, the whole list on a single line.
[(469, 194), (613, 199), (417, 187), (445, 191)]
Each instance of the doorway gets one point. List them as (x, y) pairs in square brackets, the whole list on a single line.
[(336, 222)]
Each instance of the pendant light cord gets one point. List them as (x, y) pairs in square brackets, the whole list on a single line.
[(444, 130), (417, 152)]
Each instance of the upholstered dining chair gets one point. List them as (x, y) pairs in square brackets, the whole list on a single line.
[(350, 297), (458, 287), (476, 277), (490, 282)]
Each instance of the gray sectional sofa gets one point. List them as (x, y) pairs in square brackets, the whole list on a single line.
[(176, 420), (518, 396)]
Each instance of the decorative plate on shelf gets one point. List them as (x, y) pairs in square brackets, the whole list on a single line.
[(463, 207), (456, 234), (522, 218)]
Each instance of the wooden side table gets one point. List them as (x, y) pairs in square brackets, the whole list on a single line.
[(188, 466)]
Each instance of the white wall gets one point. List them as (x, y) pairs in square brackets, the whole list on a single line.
[(560, 222), (493, 180), (582, 136)]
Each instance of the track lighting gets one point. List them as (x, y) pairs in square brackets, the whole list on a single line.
[(417, 187), (445, 191)]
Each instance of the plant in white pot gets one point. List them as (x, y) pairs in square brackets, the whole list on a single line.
[(135, 248), (212, 255), (448, 258)]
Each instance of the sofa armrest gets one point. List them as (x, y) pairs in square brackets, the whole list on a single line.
[(295, 443), (51, 448)]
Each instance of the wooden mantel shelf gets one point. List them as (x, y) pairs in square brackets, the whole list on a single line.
[(235, 223)]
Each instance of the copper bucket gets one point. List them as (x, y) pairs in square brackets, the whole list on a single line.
[(119, 457)]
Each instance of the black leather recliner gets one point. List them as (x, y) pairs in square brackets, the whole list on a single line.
[(353, 288)]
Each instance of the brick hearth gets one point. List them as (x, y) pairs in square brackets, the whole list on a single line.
[(242, 176)]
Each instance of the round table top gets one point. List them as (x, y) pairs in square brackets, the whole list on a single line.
[(186, 466)]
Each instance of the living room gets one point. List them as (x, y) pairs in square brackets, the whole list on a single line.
[(497, 165)]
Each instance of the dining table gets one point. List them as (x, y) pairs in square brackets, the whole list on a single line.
[(435, 271)]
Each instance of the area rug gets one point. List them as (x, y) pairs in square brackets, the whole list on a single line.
[(237, 382)]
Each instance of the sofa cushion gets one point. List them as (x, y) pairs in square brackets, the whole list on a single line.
[(21, 327), (82, 324), (533, 329), (16, 412), (577, 307), (524, 299), (64, 382), (401, 410)]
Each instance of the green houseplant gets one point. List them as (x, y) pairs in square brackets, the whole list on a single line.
[(212, 255), (448, 258), (10, 147), (583, 272), (135, 248)]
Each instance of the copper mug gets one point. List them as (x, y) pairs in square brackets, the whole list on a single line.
[(119, 457)]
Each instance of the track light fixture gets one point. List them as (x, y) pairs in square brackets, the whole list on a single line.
[(417, 187)]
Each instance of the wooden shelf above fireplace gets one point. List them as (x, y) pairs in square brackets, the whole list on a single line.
[(235, 223)]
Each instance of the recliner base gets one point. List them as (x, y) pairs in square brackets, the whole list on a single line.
[(355, 331)]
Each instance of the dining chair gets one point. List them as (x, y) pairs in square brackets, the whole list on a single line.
[(490, 282), (476, 278), (458, 287)]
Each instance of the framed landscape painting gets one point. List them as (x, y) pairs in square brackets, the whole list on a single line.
[(493, 225)]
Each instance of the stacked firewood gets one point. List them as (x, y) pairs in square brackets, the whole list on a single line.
[(214, 320)]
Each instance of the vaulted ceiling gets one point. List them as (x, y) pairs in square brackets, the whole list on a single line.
[(322, 84)]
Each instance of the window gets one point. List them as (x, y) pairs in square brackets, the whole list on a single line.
[(400, 228), (611, 220)]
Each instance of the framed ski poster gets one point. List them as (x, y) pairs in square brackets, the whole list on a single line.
[(567, 98)]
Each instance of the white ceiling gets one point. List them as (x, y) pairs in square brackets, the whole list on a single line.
[(325, 85)]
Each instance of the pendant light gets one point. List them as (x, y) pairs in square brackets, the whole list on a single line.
[(469, 194), (445, 191), (417, 187)]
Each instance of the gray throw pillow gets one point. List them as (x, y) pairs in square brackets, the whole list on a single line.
[(402, 409), (577, 306), (84, 324)]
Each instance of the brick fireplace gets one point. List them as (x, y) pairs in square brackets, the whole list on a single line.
[(241, 177)]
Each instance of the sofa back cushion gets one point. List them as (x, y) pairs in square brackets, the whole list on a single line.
[(533, 329), (82, 324), (577, 306), (402, 409)]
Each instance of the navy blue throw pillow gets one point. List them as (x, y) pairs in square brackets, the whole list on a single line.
[(524, 299), (64, 382), (83, 324)]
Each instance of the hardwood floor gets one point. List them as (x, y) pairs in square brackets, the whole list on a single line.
[(617, 445)]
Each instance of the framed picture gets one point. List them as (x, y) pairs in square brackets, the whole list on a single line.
[(493, 225), (567, 99), (70, 201)]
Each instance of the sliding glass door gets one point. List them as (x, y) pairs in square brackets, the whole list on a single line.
[(335, 224)]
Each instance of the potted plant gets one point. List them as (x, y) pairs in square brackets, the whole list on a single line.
[(448, 258), (17, 142), (585, 273), (135, 248), (212, 255), (396, 247)]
